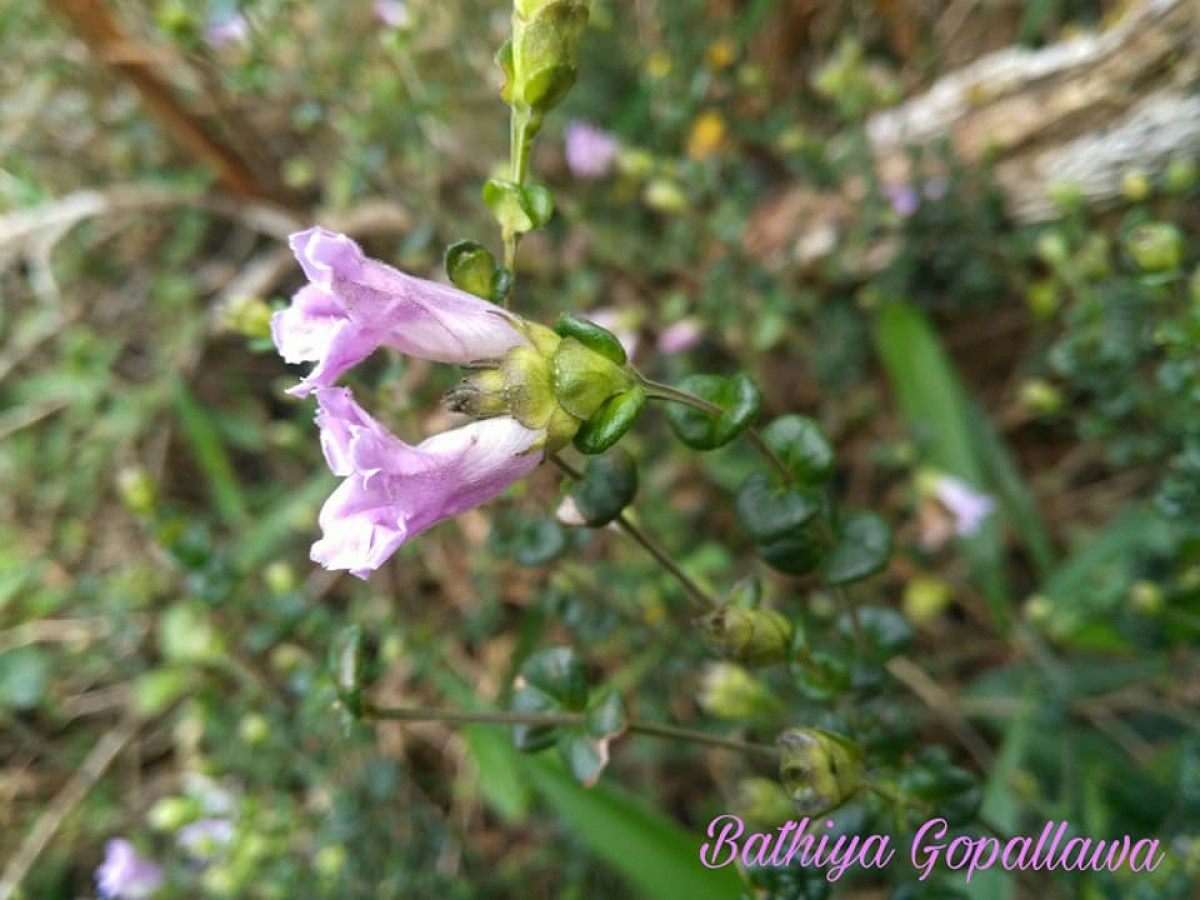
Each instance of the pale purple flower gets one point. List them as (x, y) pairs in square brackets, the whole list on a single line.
[(935, 188), (591, 151), (968, 506), (226, 30), (124, 875), (392, 13), (680, 336), (393, 491), (204, 836), (904, 199), (355, 305)]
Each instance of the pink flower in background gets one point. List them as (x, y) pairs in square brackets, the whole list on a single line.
[(226, 30), (680, 336), (968, 506), (392, 13), (354, 305), (126, 876), (393, 491), (591, 151)]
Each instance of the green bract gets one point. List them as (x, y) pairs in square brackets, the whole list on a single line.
[(819, 769), (738, 398), (610, 423)]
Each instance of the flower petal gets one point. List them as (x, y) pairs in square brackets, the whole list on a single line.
[(394, 491), (124, 874), (354, 305)]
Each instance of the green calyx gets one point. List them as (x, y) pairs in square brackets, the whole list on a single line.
[(752, 637), (819, 769), (554, 384)]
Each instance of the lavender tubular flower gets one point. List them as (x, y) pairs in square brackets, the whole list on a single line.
[(126, 876), (529, 391), (354, 305), (394, 491), (968, 506)]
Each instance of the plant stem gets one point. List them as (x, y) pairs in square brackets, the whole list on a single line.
[(468, 717), (657, 391), (520, 142), (623, 522)]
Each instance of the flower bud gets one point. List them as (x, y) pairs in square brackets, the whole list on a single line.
[(1180, 175), (1052, 248), (762, 801), (925, 599), (820, 770), (665, 196), (544, 54), (1040, 397), (752, 637), (137, 490), (1156, 247), (1135, 186), (1038, 609), (1146, 597), (248, 316), (728, 691), (1043, 298)]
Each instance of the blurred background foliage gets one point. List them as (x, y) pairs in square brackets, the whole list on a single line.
[(164, 641)]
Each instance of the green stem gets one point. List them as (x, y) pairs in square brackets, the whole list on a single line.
[(521, 133), (623, 522), (468, 717), (657, 391)]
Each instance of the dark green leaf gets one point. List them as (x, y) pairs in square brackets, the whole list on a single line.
[(558, 673), (795, 554), (862, 548), (803, 447), (507, 202), (885, 629), (769, 512), (585, 757), (538, 542), (608, 716), (738, 398), (539, 203), (531, 738), (609, 484)]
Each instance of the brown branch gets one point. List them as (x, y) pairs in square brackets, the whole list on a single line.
[(95, 26)]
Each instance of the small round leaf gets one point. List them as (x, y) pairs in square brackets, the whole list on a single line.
[(609, 484), (862, 548), (799, 442), (769, 512), (737, 396)]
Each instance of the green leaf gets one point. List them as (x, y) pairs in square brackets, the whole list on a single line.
[(24, 677), (348, 665), (658, 857), (584, 755), (799, 442), (931, 399), (609, 484), (608, 716), (592, 336), (886, 630), (538, 541), (157, 689), (611, 422), (558, 673), (796, 554), (472, 267), (738, 397), (531, 738), (769, 512), (862, 548), (203, 438), (507, 202), (539, 202)]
